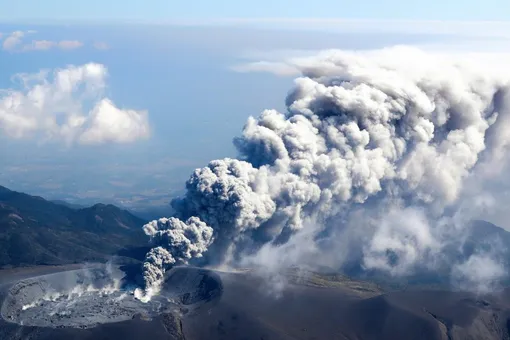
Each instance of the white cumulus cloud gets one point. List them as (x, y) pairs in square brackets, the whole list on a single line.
[(68, 104), (12, 41), (108, 123)]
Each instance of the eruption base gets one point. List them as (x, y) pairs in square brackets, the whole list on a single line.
[(88, 297)]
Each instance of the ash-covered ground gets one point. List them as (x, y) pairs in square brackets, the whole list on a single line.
[(197, 304), (89, 297)]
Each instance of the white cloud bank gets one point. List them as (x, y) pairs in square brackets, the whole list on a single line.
[(44, 45), (69, 105), (14, 42), (290, 66)]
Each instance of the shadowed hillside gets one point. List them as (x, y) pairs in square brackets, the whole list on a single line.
[(36, 231)]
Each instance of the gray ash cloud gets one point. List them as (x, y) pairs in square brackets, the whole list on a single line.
[(398, 130), (174, 242)]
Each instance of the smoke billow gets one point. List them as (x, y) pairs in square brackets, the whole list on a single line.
[(175, 241), (373, 149)]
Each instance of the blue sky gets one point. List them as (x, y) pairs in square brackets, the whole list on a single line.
[(186, 77), (179, 76), (163, 10)]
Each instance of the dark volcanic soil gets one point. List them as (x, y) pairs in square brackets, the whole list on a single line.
[(202, 304), (248, 309)]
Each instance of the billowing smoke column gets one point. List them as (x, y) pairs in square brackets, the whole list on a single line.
[(175, 242), (396, 125)]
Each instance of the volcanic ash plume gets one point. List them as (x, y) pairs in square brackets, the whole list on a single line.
[(397, 125), (175, 242)]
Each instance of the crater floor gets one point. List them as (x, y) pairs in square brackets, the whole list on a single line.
[(87, 297)]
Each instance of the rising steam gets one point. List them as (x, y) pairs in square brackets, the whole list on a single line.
[(397, 129)]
